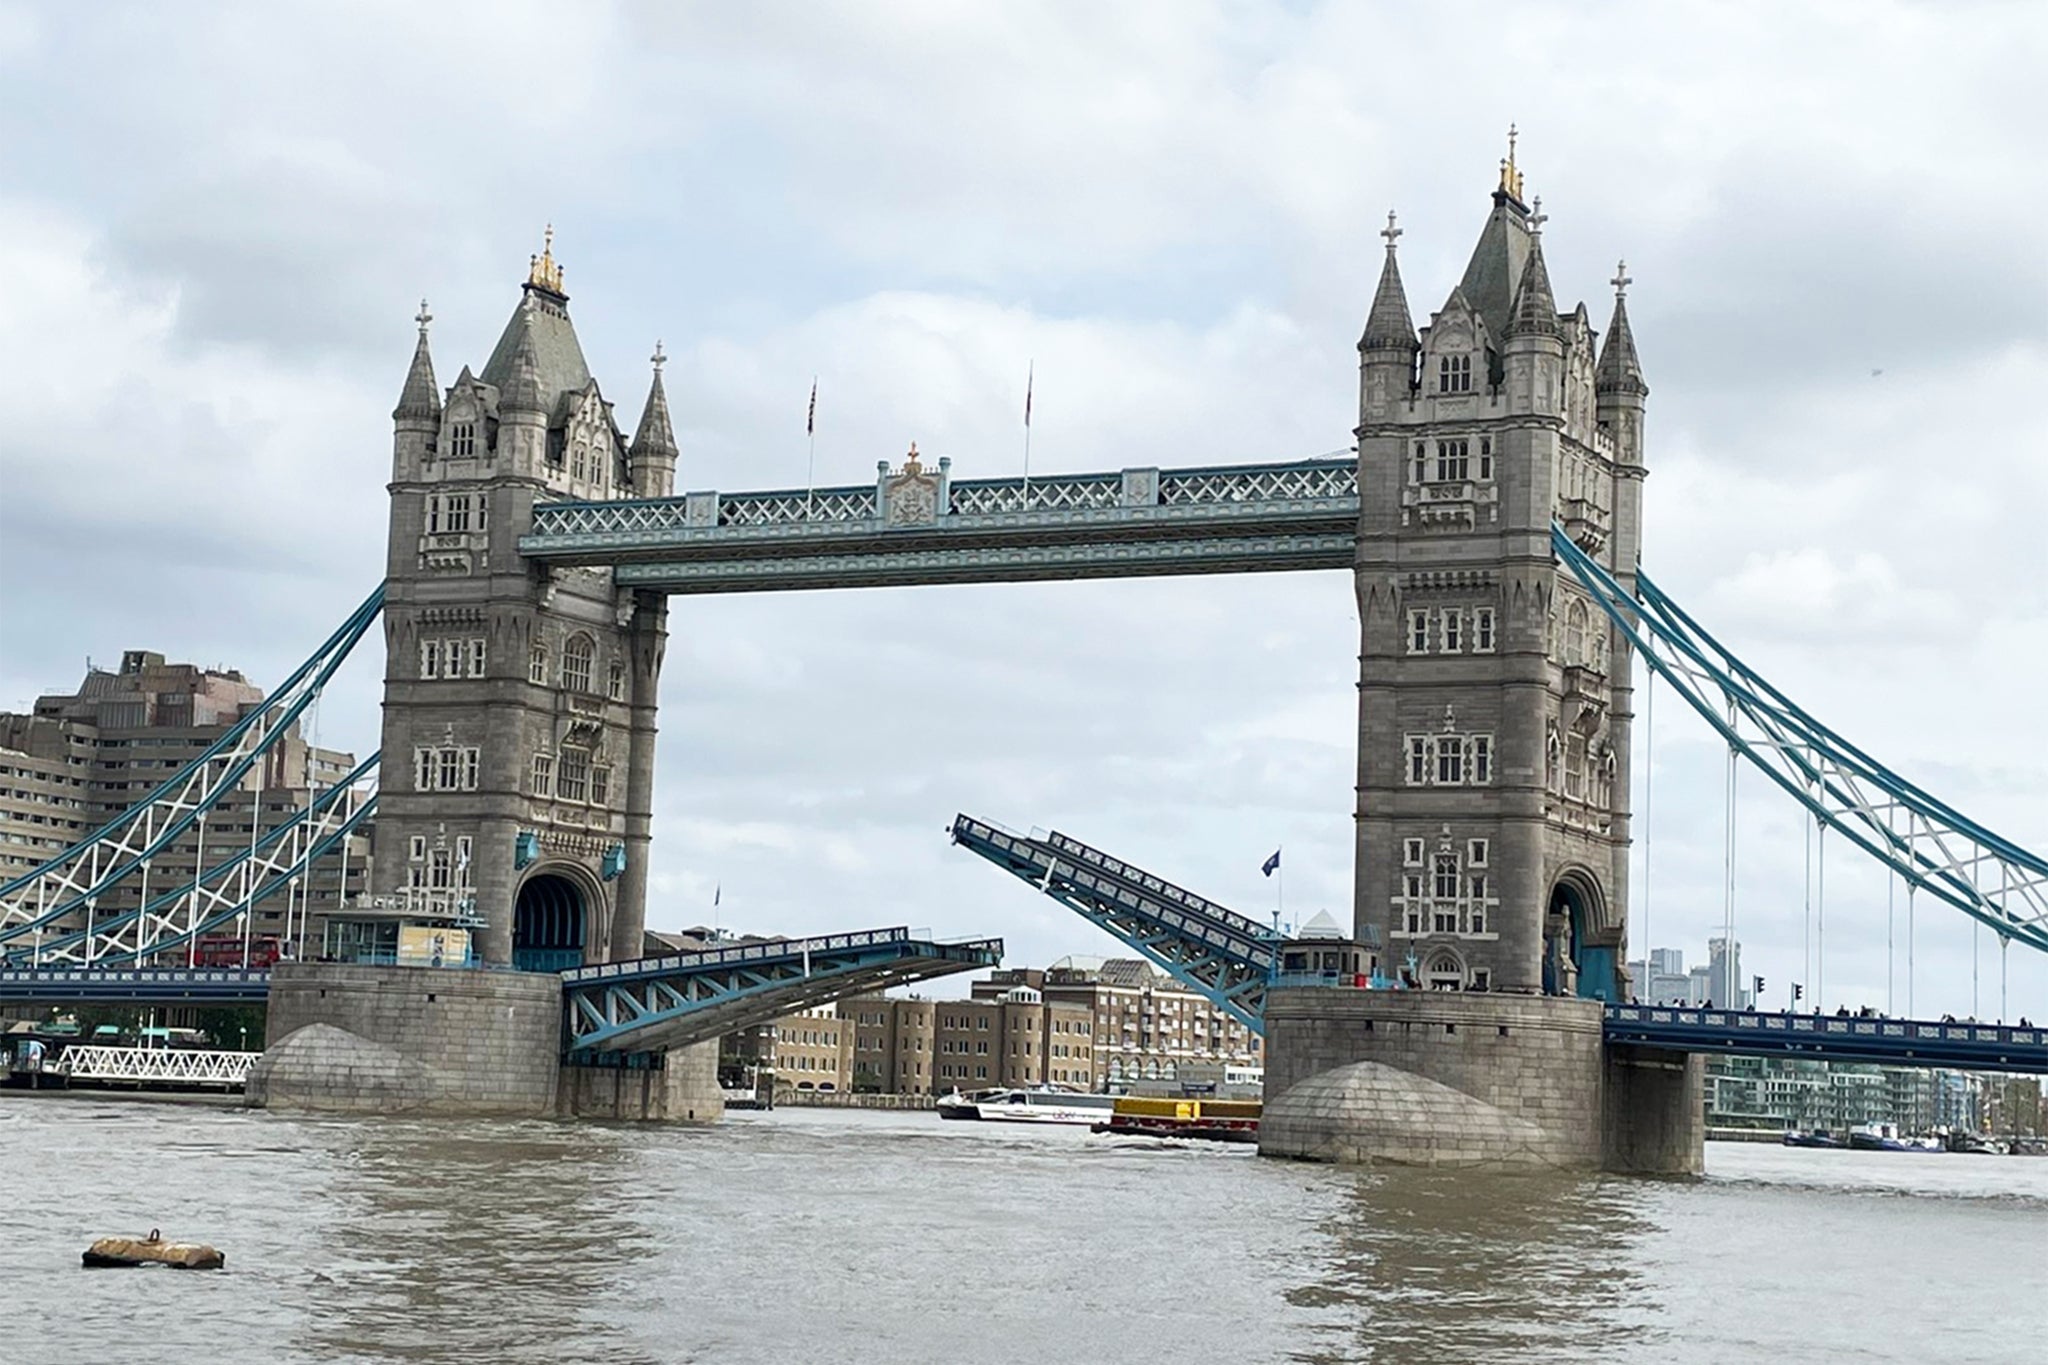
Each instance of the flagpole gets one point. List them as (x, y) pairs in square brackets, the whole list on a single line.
[(1280, 895), (811, 460), (1030, 374)]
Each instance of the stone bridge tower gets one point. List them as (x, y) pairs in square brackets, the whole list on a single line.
[(1494, 697), (519, 701)]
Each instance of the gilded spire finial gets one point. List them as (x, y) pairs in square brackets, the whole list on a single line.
[(1510, 175), (1391, 231), (1621, 281), (423, 317), (544, 272), (911, 464)]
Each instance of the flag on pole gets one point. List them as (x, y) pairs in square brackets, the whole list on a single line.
[(1272, 864), (1030, 373), (811, 416), (717, 890)]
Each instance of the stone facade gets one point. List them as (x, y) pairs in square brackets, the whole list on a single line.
[(422, 1040), (1494, 698), (519, 700), (683, 1088)]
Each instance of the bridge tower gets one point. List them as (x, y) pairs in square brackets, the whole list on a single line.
[(519, 699), (1494, 698)]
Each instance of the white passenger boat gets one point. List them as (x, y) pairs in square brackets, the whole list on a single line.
[(1028, 1104)]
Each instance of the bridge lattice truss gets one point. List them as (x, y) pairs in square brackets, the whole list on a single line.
[(1934, 847), (155, 1065), (37, 907), (1217, 952), (683, 998)]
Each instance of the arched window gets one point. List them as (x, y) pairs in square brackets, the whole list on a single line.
[(1444, 973), (1575, 634), (537, 664), (576, 660)]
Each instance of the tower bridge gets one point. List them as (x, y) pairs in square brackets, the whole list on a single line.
[(1488, 508)]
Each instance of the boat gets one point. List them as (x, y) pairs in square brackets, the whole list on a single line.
[(1027, 1104), (1819, 1137), (1884, 1137), (1209, 1120)]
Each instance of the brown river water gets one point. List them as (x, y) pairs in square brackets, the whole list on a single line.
[(827, 1236)]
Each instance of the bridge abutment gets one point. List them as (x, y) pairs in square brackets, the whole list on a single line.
[(1446, 1078)]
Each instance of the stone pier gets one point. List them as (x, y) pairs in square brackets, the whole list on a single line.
[(1433, 1078), (346, 1038)]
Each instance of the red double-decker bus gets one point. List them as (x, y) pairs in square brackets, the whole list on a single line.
[(225, 950)]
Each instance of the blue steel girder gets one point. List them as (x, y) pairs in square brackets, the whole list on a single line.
[(685, 998), (1224, 956), (1930, 844), (190, 984), (1833, 1038), (1130, 523)]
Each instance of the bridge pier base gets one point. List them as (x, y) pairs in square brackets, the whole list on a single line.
[(1428, 1078), (679, 1085), (344, 1038)]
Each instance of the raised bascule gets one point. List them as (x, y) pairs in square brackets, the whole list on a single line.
[(1477, 1009)]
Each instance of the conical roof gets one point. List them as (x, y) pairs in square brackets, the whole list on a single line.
[(1388, 325), (654, 436), (1618, 370), (520, 389), (1535, 308), (1497, 263), (540, 324), (421, 397)]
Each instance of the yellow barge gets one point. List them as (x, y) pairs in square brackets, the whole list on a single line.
[(1211, 1120)]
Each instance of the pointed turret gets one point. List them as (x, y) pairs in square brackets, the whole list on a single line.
[(1619, 371), (520, 390), (540, 324), (652, 455), (1535, 308), (420, 399), (1388, 326)]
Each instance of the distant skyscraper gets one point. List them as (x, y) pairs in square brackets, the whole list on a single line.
[(1725, 982)]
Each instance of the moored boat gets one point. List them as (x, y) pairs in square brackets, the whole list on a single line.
[(1885, 1137), (1210, 1120), (1027, 1104), (1819, 1137)]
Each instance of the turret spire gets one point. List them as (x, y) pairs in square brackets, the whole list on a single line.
[(522, 391), (1535, 308), (654, 437), (421, 397), (1619, 371), (1388, 325)]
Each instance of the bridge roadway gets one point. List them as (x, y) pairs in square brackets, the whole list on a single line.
[(918, 525), (609, 1009)]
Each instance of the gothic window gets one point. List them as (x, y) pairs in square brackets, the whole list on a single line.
[(433, 514), (1481, 752), (430, 658), (423, 770), (537, 664), (455, 512), (615, 682), (476, 658), (1418, 760), (1411, 852), (1454, 374), (1418, 632), (440, 870), (1482, 631), (1453, 629), (1444, 973), (416, 847), (1575, 766), (1450, 760), (1411, 917), (1486, 459), (471, 761), (1482, 979), (1446, 888), (447, 770), (1453, 461), (462, 440), (543, 775), (483, 519), (462, 849), (600, 786), (1475, 852), (1421, 463), (576, 661), (1575, 634), (572, 783)]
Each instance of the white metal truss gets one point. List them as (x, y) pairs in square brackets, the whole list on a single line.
[(824, 505), (1061, 492), (1318, 479), (156, 1065), (70, 885), (1929, 843)]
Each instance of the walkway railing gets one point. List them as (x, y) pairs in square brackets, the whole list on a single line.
[(155, 1065)]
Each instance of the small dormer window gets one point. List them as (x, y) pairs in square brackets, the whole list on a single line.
[(1454, 374), (462, 441), (1421, 463)]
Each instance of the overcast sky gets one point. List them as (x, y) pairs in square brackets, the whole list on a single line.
[(216, 223)]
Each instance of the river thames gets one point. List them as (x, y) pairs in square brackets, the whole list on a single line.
[(827, 1236)]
